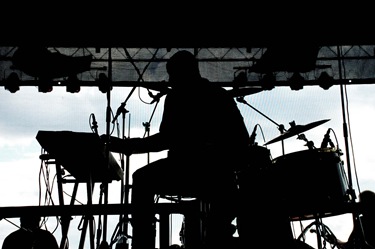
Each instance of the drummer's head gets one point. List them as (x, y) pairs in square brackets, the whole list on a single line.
[(30, 221), (182, 66)]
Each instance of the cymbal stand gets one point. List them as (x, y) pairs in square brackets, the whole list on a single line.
[(120, 110), (125, 186)]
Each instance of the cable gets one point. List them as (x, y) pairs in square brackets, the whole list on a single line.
[(75, 200), (140, 74), (337, 142), (44, 174), (351, 140), (14, 224), (93, 124), (261, 131)]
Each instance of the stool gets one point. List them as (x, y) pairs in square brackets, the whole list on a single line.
[(193, 229)]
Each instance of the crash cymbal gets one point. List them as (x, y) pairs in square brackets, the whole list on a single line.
[(296, 129)]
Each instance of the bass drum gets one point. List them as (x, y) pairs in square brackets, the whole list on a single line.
[(311, 182)]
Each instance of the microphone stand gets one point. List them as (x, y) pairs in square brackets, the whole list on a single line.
[(108, 128), (125, 186), (280, 127), (147, 127), (120, 110), (357, 225)]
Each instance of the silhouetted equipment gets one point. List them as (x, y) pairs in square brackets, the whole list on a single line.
[(87, 160), (259, 183), (288, 58), (313, 182), (327, 140), (81, 153), (41, 63), (295, 130), (103, 83), (12, 83)]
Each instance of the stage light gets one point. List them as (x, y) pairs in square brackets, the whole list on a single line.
[(44, 86), (72, 84), (49, 65), (296, 81), (240, 78), (12, 83), (268, 81), (103, 83), (325, 80)]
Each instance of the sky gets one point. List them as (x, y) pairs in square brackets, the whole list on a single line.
[(27, 111)]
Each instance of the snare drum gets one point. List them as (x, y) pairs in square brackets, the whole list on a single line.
[(258, 163), (311, 182)]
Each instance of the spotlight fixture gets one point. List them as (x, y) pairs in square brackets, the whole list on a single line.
[(325, 80), (72, 84), (12, 83), (49, 65), (240, 78), (45, 86), (296, 81), (268, 81), (103, 83)]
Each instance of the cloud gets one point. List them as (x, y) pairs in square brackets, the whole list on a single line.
[(27, 111)]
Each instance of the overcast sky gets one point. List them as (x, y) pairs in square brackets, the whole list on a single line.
[(27, 111)]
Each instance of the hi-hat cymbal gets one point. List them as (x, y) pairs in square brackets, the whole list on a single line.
[(296, 129)]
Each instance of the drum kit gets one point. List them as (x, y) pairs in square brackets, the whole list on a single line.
[(311, 182), (307, 184)]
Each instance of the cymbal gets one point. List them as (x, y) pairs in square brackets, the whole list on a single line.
[(296, 129)]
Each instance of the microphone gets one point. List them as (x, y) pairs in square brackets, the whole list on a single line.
[(163, 90), (120, 110), (327, 140), (156, 98), (94, 124), (252, 136)]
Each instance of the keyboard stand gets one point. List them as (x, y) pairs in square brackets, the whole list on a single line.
[(83, 155)]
